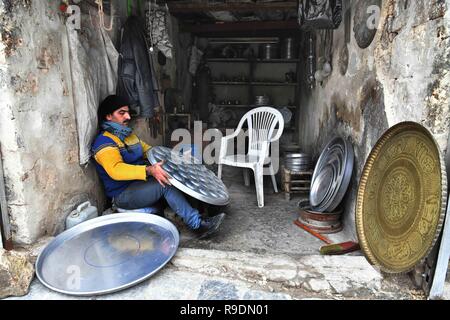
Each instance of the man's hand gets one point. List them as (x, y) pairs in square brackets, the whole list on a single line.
[(158, 173)]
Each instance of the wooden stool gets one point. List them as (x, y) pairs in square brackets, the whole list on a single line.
[(295, 181)]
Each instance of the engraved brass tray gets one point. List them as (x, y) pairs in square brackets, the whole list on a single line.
[(401, 198)]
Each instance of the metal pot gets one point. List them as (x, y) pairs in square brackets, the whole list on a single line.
[(288, 49), (269, 51), (262, 100), (297, 161)]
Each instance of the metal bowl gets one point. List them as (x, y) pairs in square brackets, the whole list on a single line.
[(335, 161), (297, 156), (321, 186), (338, 153), (305, 206), (297, 161)]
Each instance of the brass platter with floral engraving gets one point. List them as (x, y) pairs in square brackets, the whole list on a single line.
[(401, 198)]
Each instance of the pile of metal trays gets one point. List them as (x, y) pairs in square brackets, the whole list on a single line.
[(297, 162), (331, 175)]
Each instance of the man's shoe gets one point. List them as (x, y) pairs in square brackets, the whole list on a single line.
[(209, 225)]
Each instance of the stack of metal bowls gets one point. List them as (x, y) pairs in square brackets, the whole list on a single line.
[(297, 162), (262, 100), (331, 175)]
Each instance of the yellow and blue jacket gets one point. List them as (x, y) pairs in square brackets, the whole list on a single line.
[(119, 162)]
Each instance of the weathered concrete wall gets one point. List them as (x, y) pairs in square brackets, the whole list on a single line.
[(38, 132), (403, 75)]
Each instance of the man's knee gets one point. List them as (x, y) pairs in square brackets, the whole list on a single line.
[(166, 189), (154, 189)]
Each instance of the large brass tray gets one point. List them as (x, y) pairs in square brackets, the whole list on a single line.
[(401, 198)]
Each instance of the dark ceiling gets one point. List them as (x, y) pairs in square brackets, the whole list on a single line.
[(235, 16)]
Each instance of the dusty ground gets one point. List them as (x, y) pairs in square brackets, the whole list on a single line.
[(267, 230)]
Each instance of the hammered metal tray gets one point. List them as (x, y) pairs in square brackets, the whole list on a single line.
[(190, 177), (107, 254), (401, 198)]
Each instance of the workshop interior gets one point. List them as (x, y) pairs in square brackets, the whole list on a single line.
[(320, 128)]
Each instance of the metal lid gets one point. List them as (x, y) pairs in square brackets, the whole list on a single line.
[(298, 155), (402, 198), (107, 254), (191, 178)]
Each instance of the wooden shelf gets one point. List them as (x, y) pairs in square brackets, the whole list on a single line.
[(250, 106), (282, 84), (231, 60), (236, 83), (229, 83), (234, 105), (242, 78), (234, 128), (228, 60)]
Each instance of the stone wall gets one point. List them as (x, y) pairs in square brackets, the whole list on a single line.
[(402, 75), (38, 133)]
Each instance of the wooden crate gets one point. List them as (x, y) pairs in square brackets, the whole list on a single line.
[(295, 182)]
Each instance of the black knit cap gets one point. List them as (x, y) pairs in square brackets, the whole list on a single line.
[(109, 105)]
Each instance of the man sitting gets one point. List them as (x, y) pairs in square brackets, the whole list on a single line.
[(130, 183)]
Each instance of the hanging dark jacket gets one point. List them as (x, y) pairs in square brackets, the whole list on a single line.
[(135, 76)]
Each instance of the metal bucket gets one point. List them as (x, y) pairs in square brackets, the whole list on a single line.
[(297, 161), (262, 100), (322, 222)]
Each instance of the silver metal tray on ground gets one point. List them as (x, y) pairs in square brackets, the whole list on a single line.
[(107, 254), (191, 178)]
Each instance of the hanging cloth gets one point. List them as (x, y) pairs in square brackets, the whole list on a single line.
[(319, 14), (157, 18), (93, 64), (130, 7), (136, 81)]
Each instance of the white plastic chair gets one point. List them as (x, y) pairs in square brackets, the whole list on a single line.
[(261, 126)]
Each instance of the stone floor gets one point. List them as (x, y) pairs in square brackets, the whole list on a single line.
[(264, 230)]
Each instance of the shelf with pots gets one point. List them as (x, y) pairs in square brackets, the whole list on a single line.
[(251, 106), (246, 60), (240, 71), (253, 83)]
